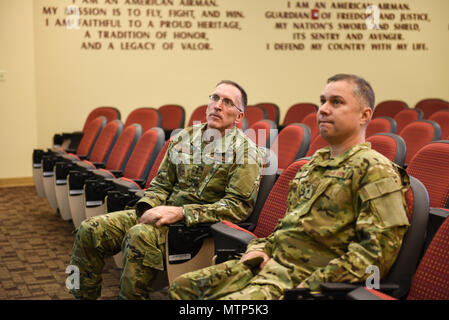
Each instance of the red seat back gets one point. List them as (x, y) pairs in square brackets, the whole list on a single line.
[(146, 117), (442, 118), (298, 111), (431, 166), (291, 144), (379, 125), (254, 114), (110, 113), (157, 163), (90, 136), (198, 115), (262, 133), (407, 116), (106, 141), (276, 203), (316, 144), (417, 134), (173, 116), (389, 108), (430, 106), (311, 121), (390, 145), (272, 111), (123, 148), (144, 154)]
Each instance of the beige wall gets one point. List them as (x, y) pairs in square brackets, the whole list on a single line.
[(18, 125), (69, 82)]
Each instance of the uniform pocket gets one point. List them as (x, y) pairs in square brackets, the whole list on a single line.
[(387, 201), (154, 259), (213, 181)]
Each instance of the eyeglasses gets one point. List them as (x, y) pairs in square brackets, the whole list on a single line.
[(228, 103)]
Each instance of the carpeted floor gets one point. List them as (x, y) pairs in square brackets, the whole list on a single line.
[(35, 249)]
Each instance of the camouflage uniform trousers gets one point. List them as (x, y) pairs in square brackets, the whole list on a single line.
[(143, 247), (232, 280)]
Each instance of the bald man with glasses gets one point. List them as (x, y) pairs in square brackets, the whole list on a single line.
[(211, 172)]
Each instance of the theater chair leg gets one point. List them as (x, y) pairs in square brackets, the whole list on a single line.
[(76, 204), (62, 201), (37, 176), (49, 182)]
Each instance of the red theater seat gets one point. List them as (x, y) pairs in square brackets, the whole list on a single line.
[(263, 133), (254, 114), (417, 134), (198, 115), (291, 144), (272, 111), (146, 117), (407, 116), (430, 106), (379, 125), (298, 111), (442, 118), (390, 145), (389, 108)]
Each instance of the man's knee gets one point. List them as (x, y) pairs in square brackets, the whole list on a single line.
[(180, 289), (85, 233), (141, 234)]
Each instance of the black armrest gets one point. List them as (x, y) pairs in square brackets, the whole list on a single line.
[(117, 173), (339, 291), (48, 162), (37, 157), (77, 179), (119, 200), (140, 182), (62, 170), (436, 219), (99, 165), (185, 242), (229, 242), (361, 293), (95, 190), (86, 166), (297, 294), (333, 291)]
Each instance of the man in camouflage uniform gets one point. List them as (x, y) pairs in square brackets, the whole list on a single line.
[(211, 171), (346, 211)]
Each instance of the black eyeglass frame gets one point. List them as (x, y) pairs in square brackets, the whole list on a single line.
[(226, 101)]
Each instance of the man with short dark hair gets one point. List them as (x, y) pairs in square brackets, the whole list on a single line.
[(210, 172), (346, 212)]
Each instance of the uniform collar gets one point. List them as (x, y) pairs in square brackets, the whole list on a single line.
[(323, 156)]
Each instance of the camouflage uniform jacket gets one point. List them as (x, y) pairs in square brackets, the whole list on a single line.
[(214, 181), (343, 215)]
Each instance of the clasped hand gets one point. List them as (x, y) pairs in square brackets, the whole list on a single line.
[(161, 215)]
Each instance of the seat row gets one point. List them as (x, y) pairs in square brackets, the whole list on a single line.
[(113, 149), (298, 111), (115, 153)]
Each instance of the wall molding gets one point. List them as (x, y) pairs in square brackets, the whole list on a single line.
[(16, 182)]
